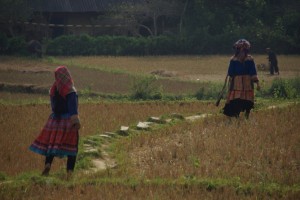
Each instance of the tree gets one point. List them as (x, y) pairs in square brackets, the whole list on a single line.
[(12, 12), (157, 12)]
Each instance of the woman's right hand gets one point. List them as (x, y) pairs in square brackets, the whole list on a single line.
[(258, 87), (75, 122), (77, 126)]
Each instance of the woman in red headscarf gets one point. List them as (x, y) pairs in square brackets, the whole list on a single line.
[(59, 137), (242, 76)]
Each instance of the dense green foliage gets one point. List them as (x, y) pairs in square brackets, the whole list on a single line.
[(204, 27), (214, 25), (288, 89), (14, 45), (279, 89), (144, 88), (113, 45), (208, 27)]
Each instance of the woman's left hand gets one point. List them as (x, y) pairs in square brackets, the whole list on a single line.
[(75, 122), (258, 87), (77, 126)]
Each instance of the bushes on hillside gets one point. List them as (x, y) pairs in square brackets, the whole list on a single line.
[(112, 45), (285, 88), (208, 91), (201, 43), (164, 45), (144, 88), (3, 43), (12, 46)]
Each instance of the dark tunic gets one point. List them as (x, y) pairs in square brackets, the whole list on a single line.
[(241, 90)]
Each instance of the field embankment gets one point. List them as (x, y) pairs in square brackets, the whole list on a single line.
[(115, 75)]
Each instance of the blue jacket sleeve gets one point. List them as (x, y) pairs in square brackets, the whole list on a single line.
[(231, 69), (52, 103), (252, 70), (72, 103)]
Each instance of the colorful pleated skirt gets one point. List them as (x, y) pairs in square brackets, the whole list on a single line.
[(57, 138)]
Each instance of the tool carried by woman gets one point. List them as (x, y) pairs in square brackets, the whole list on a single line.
[(220, 96)]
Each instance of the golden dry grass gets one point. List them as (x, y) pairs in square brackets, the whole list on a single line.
[(195, 68), (24, 64), (142, 191), (261, 151), (19, 125), (202, 68), (22, 98), (264, 149), (14, 70)]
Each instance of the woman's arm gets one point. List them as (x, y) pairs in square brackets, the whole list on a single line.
[(72, 103)]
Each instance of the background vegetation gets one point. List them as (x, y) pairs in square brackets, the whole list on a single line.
[(160, 77), (198, 27)]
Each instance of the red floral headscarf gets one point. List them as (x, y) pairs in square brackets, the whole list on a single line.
[(63, 82)]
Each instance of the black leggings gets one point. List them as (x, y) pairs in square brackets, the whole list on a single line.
[(70, 162)]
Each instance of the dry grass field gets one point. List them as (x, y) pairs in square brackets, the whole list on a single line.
[(211, 158), (113, 75), (208, 159), (264, 149), (201, 68), (40, 73), (20, 124)]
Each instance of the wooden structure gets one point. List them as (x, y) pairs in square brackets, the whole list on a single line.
[(53, 18)]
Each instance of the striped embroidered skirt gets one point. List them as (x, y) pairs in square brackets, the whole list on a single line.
[(57, 138)]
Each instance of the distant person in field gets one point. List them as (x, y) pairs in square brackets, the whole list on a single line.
[(59, 137), (272, 61), (242, 76)]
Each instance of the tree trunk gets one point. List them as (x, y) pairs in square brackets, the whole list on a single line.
[(11, 31), (147, 28), (154, 24), (181, 17)]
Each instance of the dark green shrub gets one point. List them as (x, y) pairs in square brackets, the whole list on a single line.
[(85, 45), (61, 45), (295, 82), (145, 88), (16, 45), (162, 45), (200, 43), (104, 45), (208, 91), (139, 46), (283, 88), (3, 176), (3, 43)]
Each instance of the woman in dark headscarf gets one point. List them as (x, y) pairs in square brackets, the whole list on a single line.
[(59, 137), (242, 76)]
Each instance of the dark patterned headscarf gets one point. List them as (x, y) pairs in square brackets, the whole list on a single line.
[(63, 82), (242, 48), (241, 45)]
